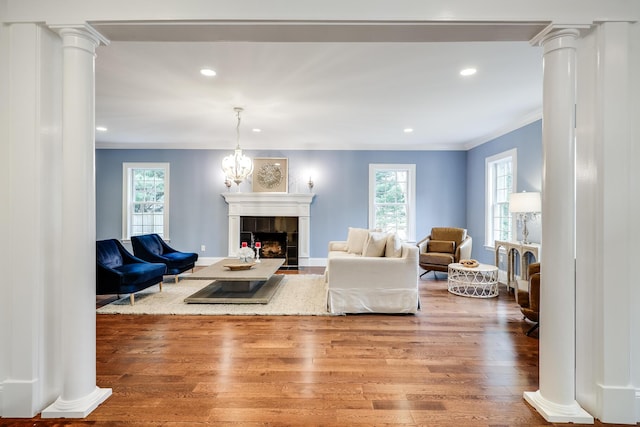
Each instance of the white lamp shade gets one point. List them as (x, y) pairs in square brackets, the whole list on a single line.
[(524, 202)]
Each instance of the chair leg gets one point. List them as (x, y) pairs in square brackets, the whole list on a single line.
[(132, 299), (160, 284), (424, 273), (176, 278), (533, 328)]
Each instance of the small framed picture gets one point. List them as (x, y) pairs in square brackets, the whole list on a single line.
[(270, 175)]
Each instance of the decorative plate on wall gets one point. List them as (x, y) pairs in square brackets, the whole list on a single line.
[(270, 175)]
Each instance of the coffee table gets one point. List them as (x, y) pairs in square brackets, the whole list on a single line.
[(476, 282), (255, 285)]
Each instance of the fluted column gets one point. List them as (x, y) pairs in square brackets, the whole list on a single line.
[(555, 399), (80, 395)]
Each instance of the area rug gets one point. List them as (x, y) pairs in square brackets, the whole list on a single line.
[(304, 294)]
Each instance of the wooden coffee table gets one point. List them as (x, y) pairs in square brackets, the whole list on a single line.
[(230, 285)]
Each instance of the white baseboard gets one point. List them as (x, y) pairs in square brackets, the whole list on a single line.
[(313, 262), (20, 398), (205, 261)]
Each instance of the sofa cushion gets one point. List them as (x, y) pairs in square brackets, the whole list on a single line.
[(341, 254), (393, 248), (139, 272), (375, 244), (356, 239), (182, 258), (443, 246), (338, 246), (436, 258)]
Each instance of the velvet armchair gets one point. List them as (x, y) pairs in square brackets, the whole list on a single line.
[(151, 248), (119, 272)]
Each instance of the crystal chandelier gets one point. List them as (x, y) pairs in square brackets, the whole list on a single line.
[(237, 167)]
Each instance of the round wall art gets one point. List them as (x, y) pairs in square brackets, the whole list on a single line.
[(270, 175)]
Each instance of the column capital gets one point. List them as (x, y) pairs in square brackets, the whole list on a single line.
[(82, 36), (556, 36)]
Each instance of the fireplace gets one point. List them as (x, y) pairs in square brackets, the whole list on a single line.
[(277, 235), (292, 209)]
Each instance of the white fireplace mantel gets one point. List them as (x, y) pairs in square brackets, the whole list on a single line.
[(270, 204)]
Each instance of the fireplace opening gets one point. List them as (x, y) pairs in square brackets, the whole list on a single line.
[(274, 245), (278, 236)]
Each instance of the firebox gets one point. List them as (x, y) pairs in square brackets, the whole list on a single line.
[(278, 236), (274, 245)]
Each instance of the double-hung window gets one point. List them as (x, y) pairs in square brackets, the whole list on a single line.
[(500, 177), (392, 198), (145, 206)]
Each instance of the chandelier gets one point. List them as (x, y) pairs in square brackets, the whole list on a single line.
[(237, 167)]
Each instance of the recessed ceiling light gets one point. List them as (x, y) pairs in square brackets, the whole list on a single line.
[(207, 72), (101, 128), (256, 130), (468, 72), (408, 130)]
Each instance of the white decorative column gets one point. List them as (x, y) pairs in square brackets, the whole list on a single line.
[(80, 395), (556, 398)]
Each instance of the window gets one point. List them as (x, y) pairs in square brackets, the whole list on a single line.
[(145, 207), (392, 198), (500, 172)]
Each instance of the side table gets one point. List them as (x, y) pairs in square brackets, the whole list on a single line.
[(477, 282)]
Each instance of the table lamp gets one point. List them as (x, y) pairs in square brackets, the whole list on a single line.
[(525, 204)]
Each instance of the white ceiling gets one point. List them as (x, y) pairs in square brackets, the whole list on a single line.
[(315, 87)]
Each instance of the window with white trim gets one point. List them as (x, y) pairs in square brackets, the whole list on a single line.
[(392, 198), (500, 177), (145, 205)]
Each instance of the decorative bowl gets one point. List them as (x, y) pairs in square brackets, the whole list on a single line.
[(240, 266)]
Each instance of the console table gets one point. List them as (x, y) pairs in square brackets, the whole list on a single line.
[(522, 249)]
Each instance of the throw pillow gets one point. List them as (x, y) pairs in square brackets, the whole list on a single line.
[(356, 240), (375, 244), (393, 248), (442, 246)]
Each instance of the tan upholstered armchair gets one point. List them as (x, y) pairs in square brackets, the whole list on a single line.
[(445, 245), (529, 300)]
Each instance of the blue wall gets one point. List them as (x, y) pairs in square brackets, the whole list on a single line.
[(198, 213), (528, 141)]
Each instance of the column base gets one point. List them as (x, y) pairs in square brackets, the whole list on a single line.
[(554, 413), (79, 408)]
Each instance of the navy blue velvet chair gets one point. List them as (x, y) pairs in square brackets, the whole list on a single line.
[(119, 272), (151, 248)]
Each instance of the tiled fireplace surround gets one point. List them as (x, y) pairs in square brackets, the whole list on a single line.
[(270, 205)]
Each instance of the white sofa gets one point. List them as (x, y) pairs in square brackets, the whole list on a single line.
[(361, 283)]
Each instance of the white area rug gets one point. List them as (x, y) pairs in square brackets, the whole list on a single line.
[(304, 294)]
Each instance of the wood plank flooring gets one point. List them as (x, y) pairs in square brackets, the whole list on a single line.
[(459, 361)]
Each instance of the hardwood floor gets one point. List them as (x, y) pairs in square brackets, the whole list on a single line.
[(458, 362)]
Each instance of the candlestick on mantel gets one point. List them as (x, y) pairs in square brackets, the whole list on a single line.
[(258, 245)]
